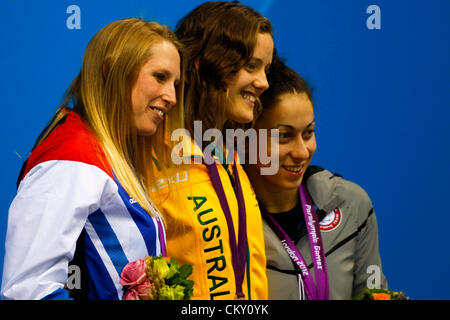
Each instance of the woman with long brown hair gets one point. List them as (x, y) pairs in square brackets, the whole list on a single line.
[(214, 223), (83, 194)]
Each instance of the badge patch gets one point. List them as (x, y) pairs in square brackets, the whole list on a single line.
[(331, 220)]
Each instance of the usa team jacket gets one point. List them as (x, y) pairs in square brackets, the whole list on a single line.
[(197, 231), (69, 201), (349, 232)]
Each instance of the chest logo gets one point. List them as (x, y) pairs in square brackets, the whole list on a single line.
[(331, 220)]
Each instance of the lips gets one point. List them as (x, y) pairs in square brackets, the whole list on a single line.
[(158, 111), (249, 97), (294, 170)]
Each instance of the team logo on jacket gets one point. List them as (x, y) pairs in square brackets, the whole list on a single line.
[(331, 220)]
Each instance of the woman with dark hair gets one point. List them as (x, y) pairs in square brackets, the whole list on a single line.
[(216, 226), (320, 230)]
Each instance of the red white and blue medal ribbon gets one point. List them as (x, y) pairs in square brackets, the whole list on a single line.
[(318, 290)]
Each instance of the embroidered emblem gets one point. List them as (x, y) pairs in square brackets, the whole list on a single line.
[(331, 220)]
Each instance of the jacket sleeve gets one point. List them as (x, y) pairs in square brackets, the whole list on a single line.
[(368, 272), (45, 220)]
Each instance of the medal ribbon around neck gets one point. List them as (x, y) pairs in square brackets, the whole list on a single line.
[(162, 240), (314, 291), (239, 249)]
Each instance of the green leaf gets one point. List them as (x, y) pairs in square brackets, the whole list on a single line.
[(185, 270)]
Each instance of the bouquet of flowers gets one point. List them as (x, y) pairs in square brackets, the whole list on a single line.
[(381, 294), (156, 278)]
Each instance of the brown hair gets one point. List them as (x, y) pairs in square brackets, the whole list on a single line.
[(282, 79), (219, 38)]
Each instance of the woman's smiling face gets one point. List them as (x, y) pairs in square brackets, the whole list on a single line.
[(293, 116), (250, 81), (154, 93)]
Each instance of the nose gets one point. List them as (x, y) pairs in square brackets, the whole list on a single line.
[(170, 95), (260, 81), (300, 149)]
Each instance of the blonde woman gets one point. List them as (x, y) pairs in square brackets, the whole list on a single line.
[(83, 192)]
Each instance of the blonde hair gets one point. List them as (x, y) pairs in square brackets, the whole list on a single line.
[(101, 95)]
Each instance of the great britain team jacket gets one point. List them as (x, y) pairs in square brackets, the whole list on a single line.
[(68, 202), (350, 236)]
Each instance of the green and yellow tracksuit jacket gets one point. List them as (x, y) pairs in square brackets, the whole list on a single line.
[(197, 231)]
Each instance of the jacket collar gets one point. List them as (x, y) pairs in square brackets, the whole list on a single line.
[(189, 149)]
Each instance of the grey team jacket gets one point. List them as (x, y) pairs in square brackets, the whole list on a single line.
[(349, 234)]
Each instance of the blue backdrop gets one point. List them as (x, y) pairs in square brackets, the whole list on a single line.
[(381, 84)]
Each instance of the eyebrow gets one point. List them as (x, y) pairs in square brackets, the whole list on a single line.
[(168, 73), (291, 127), (260, 61)]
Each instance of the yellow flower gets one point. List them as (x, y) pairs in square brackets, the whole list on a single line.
[(160, 268), (171, 293)]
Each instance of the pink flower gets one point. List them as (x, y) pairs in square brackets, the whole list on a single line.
[(134, 273), (144, 289), (131, 294), (139, 292)]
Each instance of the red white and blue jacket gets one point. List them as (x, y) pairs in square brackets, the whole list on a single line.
[(69, 202)]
